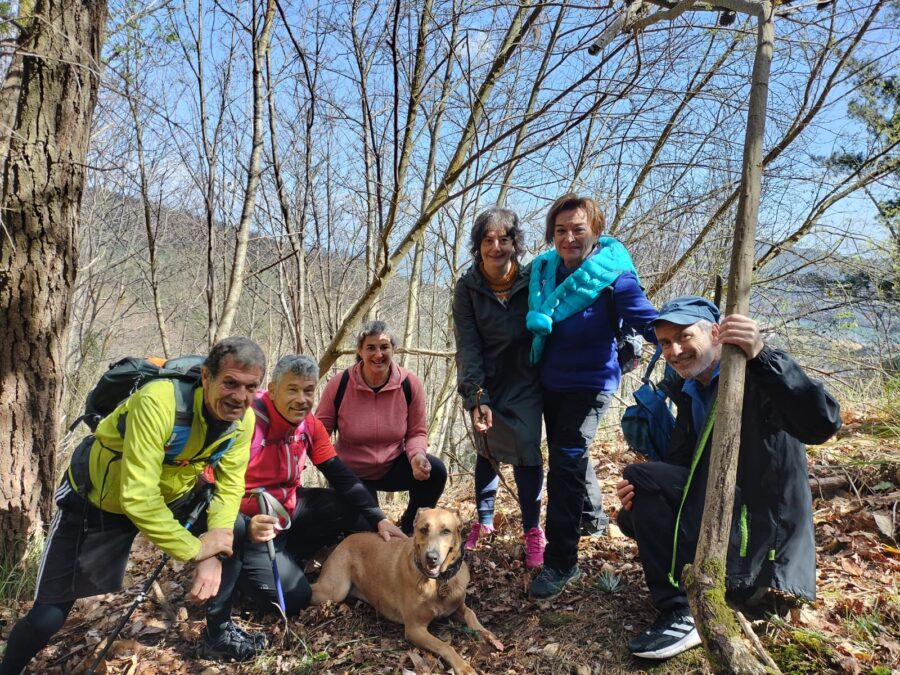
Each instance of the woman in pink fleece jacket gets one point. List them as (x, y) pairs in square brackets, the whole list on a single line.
[(378, 410)]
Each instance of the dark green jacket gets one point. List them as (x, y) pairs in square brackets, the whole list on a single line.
[(492, 352)]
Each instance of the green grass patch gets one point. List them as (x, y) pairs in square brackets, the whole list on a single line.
[(18, 577), (799, 651)]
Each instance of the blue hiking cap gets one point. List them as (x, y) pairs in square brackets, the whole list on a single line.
[(687, 310)]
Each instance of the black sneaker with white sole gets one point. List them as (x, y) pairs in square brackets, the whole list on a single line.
[(673, 632), (228, 642)]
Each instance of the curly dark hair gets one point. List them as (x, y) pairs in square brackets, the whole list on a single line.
[(495, 218)]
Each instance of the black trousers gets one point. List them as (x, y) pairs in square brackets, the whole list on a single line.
[(320, 519), (572, 418), (423, 494), (85, 554), (651, 522)]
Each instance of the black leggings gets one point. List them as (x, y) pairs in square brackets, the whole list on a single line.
[(423, 494), (32, 633)]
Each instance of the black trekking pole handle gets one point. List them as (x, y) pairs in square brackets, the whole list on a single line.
[(202, 503)]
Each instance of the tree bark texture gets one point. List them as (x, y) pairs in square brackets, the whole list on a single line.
[(57, 64), (239, 260), (705, 580)]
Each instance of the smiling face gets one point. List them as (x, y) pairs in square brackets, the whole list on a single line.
[(293, 396), (376, 352), (230, 393), (497, 251), (573, 237), (689, 349)]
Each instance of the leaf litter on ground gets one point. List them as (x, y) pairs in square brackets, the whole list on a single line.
[(853, 627)]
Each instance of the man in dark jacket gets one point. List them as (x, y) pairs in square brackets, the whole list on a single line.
[(771, 543)]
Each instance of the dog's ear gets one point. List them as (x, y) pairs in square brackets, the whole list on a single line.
[(416, 519)]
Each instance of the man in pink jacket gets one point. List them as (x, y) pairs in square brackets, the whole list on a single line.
[(378, 409)]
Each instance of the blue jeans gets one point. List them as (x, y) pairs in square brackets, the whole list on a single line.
[(572, 418)]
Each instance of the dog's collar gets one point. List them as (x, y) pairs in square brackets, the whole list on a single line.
[(446, 575)]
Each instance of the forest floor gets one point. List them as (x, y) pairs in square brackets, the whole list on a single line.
[(853, 627)]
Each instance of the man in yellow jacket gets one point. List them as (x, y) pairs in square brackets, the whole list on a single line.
[(143, 463)]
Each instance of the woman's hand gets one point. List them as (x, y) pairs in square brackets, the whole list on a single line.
[(262, 528), (482, 418), (421, 467)]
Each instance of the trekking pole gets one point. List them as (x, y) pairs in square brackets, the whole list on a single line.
[(270, 545), (202, 503)]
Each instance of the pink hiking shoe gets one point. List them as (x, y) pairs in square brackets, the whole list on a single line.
[(534, 547), (478, 530)]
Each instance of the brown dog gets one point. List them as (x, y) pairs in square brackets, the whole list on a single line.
[(410, 581)]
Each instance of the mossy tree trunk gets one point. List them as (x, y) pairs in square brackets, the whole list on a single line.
[(705, 580), (55, 72)]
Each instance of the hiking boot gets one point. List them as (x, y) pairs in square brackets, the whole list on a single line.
[(551, 582), (231, 643), (673, 632), (534, 547), (478, 530)]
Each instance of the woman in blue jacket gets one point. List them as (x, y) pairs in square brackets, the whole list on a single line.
[(571, 318)]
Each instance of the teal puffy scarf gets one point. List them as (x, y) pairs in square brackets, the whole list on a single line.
[(548, 302)]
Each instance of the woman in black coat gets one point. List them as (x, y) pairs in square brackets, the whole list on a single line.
[(498, 383)]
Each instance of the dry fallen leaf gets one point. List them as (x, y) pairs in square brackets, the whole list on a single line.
[(885, 523)]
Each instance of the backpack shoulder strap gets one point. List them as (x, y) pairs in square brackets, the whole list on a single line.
[(184, 418), (649, 370), (407, 390), (339, 395), (184, 401)]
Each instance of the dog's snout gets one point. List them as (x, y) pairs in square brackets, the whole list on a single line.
[(433, 556)]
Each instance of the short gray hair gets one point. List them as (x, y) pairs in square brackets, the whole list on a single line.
[(295, 364), (704, 325), (495, 218), (376, 327)]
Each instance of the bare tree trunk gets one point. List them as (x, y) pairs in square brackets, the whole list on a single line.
[(705, 579), (57, 63), (239, 261), (802, 122), (412, 300), (210, 156), (524, 18), (148, 224), (522, 133)]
